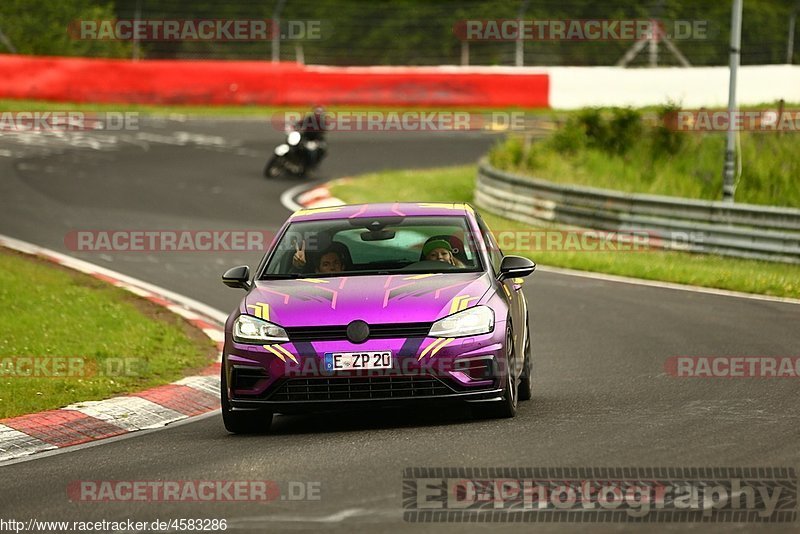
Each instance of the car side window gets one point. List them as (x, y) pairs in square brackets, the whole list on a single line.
[(495, 254)]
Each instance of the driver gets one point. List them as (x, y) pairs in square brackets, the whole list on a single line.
[(331, 260), (440, 250)]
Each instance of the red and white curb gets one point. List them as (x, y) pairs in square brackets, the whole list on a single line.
[(93, 420), (301, 197)]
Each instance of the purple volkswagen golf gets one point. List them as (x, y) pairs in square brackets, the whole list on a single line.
[(377, 304)]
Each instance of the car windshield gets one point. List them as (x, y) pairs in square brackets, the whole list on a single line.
[(382, 245)]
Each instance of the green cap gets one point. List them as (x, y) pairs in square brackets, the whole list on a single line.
[(433, 245)]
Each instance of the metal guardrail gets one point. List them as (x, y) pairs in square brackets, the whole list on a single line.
[(742, 230)]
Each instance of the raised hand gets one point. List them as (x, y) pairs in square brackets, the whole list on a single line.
[(299, 258)]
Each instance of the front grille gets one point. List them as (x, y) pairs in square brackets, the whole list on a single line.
[(350, 388), (376, 331)]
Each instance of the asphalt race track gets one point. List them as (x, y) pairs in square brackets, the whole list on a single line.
[(602, 397)]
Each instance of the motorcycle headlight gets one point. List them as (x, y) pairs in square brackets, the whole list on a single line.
[(471, 322), (249, 329), (293, 138)]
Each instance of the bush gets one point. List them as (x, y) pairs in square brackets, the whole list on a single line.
[(590, 128), (624, 130), (617, 149), (569, 139), (594, 126), (507, 154), (665, 140)]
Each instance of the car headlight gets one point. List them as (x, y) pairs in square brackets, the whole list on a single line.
[(471, 322), (249, 329)]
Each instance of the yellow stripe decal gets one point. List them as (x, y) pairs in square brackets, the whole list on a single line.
[(441, 346), (313, 211), (439, 205), (275, 352), (429, 347), (286, 352), (455, 304), (261, 310), (461, 303), (421, 276)]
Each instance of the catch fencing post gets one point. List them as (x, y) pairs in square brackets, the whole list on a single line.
[(729, 180)]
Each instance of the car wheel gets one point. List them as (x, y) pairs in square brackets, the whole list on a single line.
[(525, 391), (508, 406), (241, 422)]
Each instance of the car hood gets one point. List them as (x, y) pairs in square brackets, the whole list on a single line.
[(375, 299)]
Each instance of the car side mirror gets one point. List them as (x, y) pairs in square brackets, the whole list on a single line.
[(237, 277), (515, 266)]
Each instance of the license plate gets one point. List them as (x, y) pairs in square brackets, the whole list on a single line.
[(346, 361)]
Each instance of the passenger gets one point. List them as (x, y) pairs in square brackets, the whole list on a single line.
[(440, 250)]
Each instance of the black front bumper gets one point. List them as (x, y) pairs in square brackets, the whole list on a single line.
[(297, 395)]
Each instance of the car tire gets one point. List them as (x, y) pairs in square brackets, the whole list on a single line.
[(525, 390), (506, 408), (245, 421)]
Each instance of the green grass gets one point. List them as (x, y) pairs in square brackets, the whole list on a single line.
[(49, 312), (770, 166), (456, 184), (255, 111), (229, 110)]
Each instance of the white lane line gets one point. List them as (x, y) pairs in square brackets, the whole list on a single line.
[(14, 443), (129, 413), (665, 285)]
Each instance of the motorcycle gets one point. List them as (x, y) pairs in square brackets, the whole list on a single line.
[(296, 156)]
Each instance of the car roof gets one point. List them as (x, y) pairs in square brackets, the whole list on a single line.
[(388, 209)]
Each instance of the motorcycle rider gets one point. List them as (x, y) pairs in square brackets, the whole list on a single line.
[(304, 149), (312, 127)]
